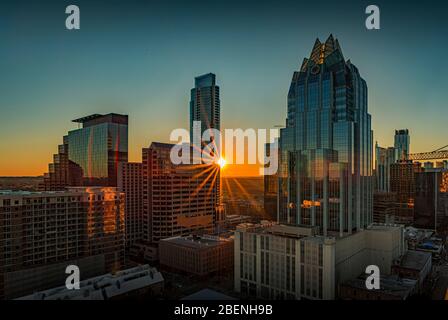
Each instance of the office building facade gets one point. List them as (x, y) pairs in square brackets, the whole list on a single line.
[(384, 207), (205, 105), (431, 199), (270, 200), (198, 255), (325, 169), (275, 261), (130, 182), (403, 174), (178, 200), (384, 158), (43, 232), (62, 172), (90, 155), (402, 142)]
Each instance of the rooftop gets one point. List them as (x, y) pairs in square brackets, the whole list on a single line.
[(161, 145), (292, 231), (69, 191), (205, 80), (391, 285), (88, 118), (104, 287), (205, 241), (21, 193), (415, 260), (96, 118)]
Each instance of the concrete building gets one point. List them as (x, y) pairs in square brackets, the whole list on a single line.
[(42, 231), (198, 255), (178, 200), (130, 283), (294, 262), (130, 182)]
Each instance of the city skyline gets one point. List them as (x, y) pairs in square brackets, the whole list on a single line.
[(347, 201), (148, 76)]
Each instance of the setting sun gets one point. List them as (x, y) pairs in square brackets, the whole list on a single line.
[(221, 162)]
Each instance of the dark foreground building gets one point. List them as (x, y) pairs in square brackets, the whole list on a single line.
[(44, 232)]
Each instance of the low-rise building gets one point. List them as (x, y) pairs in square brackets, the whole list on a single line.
[(134, 282), (198, 255)]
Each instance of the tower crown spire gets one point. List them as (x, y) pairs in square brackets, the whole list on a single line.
[(322, 50)]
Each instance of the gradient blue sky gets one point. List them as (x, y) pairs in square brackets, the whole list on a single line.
[(141, 57)]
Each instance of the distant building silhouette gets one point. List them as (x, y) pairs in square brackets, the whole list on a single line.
[(402, 141)]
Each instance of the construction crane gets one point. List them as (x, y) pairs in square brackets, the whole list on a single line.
[(438, 154)]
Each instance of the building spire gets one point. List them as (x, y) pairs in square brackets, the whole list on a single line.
[(322, 50)]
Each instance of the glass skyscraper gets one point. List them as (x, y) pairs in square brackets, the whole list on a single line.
[(95, 151), (325, 172), (401, 144), (205, 104)]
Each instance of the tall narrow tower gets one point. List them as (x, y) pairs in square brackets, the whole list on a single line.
[(205, 104), (401, 144)]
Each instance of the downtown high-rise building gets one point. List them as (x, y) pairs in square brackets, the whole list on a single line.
[(178, 200), (270, 195), (205, 106), (90, 155), (431, 198), (44, 232), (130, 182), (402, 141), (384, 158), (402, 182), (325, 171)]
